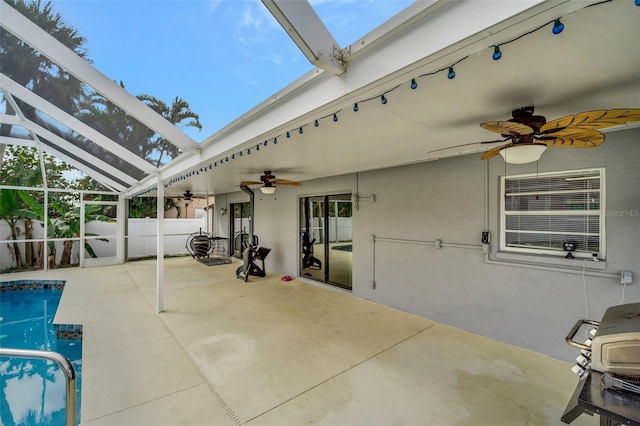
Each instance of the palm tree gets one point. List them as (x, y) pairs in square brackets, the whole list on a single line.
[(178, 114), (32, 69)]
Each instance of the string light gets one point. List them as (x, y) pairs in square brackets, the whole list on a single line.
[(497, 54), (558, 26), (451, 75)]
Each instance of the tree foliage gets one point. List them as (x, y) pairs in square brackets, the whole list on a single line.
[(21, 166)]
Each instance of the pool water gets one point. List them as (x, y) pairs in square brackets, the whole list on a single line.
[(33, 391)]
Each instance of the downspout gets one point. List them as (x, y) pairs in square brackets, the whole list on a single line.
[(251, 210)]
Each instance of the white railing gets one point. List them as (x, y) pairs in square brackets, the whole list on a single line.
[(65, 366)]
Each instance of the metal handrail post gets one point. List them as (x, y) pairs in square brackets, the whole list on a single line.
[(63, 363)]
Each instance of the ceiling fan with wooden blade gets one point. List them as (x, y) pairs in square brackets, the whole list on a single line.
[(529, 135), (269, 182)]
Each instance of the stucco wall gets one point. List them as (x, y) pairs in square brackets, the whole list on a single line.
[(448, 200)]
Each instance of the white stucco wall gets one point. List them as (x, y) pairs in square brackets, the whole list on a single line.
[(447, 200)]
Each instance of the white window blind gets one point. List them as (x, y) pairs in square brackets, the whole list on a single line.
[(541, 212)]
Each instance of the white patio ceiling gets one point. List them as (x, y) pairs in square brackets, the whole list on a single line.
[(593, 64)]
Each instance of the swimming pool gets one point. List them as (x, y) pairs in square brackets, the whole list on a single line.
[(33, 391)]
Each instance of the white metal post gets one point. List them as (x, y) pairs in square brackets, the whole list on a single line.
[(121, 218), (160, 248), (82, 230)]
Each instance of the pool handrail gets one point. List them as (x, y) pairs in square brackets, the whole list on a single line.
[(65, 365)]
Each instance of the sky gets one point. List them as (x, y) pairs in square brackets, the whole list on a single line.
[(222, 56)]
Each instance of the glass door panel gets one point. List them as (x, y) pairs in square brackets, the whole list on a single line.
[(239, 227), (340, 240), (312, 238), (325, 238)]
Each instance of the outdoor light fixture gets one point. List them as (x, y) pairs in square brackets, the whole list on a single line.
[(569, 247), (268, 189), (522, 154)]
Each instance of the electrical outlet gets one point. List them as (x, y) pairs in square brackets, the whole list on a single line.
[(626, 277), (486, 237)]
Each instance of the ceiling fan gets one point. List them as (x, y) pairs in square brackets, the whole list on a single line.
[(528, 135), (188, 197), (269, 182)]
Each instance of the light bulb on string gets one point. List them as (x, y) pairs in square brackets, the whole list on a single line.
[(249, 151), (275, 141), (265, 143), (300, 130), (258, 147), (240, 153), (383, 100), (288, 135), (316, 124), (497, 54), (227, 159), (637, 2), (355, 107), (335, 117), (414, 85), (558, 27), (233, 156), (451, 75)]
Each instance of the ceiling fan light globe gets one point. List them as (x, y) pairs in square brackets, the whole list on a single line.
[(268, 189), (522, 154)]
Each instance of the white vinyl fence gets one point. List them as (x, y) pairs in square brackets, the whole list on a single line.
[(141, 240)]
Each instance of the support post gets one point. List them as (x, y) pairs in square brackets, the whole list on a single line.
[(160, 249)]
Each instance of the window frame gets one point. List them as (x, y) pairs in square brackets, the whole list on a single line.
[(601, 213)]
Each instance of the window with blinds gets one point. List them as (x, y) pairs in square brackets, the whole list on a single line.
[(541, 212)]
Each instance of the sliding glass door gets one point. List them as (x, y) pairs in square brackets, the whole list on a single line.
[(239, 225), (326, 239)]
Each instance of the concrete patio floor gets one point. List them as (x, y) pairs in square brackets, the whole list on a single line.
[(269, 352)]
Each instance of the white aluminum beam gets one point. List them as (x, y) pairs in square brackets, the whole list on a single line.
[(61, 156), (37, 38), (307, 30), (73, 123), (36, 130), (10, 140)]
